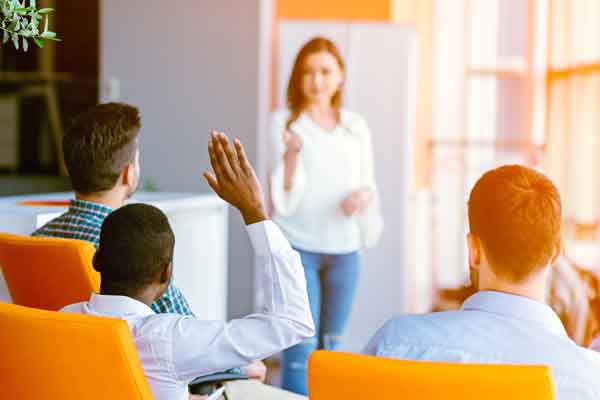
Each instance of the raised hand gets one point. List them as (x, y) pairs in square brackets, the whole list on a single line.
[(293, 145), (234, 179), (293, 142)]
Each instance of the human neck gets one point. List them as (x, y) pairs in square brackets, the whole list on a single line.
[(323, 115), (111, 198), (146, 296), (319, 108), (534, 288)]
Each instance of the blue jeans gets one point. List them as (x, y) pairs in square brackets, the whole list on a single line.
[(331, 281)]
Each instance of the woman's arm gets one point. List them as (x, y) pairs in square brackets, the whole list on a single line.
[(287, 175), (359, 200), (293, 145), (363, 203)]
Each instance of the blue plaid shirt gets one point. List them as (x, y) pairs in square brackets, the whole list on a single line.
[(83, 221)]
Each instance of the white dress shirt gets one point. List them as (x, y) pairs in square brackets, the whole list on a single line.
[(330, 166), (495, 328), (595, 344), (175, 349)]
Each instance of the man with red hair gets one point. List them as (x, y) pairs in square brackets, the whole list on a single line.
[(514, 239)]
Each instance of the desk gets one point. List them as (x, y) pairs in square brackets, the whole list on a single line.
[(200, 226)]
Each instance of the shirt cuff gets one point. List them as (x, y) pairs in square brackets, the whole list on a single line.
[(266, 238)]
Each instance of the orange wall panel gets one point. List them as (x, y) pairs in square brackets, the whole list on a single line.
[(377, 10)]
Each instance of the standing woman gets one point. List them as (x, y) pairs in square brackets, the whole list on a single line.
[(323, 194)]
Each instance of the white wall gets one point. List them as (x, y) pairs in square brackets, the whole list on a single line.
[(190, 66)]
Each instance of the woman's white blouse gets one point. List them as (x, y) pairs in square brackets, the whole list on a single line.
[(330, 166)]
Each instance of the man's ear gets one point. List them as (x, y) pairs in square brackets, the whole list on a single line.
[(474, 245), (128, 174), (558, 251), (165, 273)]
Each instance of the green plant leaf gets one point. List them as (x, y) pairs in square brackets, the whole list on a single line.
[(20, 21), (39, 42)]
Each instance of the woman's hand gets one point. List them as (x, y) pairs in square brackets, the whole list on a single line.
[(357, 201), (293, 145), (293, 142), (257, 370)]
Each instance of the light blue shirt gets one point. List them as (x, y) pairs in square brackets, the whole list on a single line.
[(495, 328)]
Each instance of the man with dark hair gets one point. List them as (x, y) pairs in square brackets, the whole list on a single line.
[(100, 144), (135, 264), (129, 265), (515, 238), (101, 153)]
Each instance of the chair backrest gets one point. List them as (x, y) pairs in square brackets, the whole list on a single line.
[(54, 355), (333, 375), (47, 273)]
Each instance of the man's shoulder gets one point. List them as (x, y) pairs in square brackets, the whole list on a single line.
[(412, 325), (142, 325), (416, 329), (71, 226), (77, 308), (476, 334), (590, 356), (48, 229)]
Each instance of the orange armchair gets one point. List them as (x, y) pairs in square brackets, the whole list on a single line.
[(333, 376), (47, 273), (52, 355)]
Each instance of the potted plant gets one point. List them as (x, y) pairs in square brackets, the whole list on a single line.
[(20, 23)]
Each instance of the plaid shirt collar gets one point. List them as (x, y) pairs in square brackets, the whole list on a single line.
[(90, 209)]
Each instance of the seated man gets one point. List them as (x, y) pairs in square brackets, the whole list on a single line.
[(515, 236), (134, 261), (101, 153)]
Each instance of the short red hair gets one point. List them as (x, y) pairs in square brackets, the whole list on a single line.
[(515, 212)]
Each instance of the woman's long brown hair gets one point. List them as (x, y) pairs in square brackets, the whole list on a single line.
[(295, 95)]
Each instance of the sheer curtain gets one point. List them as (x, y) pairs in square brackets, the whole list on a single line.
[(484, 87), (573, 112)]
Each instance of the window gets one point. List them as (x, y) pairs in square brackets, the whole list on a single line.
[(489, 83)]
